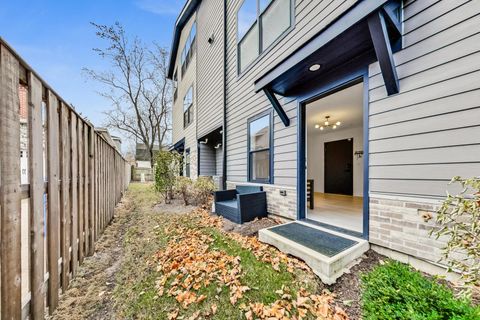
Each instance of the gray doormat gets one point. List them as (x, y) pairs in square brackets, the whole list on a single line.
[(323, 242)]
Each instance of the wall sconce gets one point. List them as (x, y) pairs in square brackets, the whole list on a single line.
[(358, 154)]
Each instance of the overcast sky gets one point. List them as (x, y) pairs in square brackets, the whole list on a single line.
[(55, 37)]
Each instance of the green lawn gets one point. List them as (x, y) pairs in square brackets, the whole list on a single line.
[(137, 293)]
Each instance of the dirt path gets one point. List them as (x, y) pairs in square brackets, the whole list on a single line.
[(90, 293)]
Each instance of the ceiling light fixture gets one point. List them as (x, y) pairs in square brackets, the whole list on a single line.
[(328, 124), (314, 67)]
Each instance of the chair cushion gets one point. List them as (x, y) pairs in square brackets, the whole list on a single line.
[(248, 189), (228, 203)]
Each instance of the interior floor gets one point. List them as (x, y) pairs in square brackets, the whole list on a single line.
[(338, 210)]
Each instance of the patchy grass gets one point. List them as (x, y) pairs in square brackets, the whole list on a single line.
[(258, 278), (396, 291)]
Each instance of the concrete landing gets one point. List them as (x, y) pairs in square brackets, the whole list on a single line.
[(329, 253)]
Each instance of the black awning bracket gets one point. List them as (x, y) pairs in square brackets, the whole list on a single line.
[(277, 106), (383, 50)]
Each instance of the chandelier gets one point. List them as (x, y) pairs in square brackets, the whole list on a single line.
[(328, 124)]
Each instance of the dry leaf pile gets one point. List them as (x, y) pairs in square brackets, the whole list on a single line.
[(191, 265), (188, 264), (288, 307)]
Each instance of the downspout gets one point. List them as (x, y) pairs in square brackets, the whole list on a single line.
[(224, 129)]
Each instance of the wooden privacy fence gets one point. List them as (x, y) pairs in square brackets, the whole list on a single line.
[(59, 183)]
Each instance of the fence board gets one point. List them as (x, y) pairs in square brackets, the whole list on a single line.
[(36, 208), (74, 193), (65, 193), (81, 179), (11, 300), (53, 222), (86, 178)]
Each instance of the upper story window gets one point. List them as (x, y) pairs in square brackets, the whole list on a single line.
[(175, 85), (188, 107), (189, 48), (259, 24), (259, 149)]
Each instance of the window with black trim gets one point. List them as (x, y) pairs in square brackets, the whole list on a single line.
[(259, 148), (187, 163), (175, 85), (189, 48), (259, 24), (188, 107)]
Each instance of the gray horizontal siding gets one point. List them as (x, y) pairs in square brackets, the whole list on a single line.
[(209, 67), (207, 160), (430, 131), (311, 16)]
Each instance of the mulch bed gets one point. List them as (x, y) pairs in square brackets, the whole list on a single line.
[(249, 228)]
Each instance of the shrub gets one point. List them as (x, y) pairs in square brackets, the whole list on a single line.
[(396, 291), (183, 185), (167, 167), (204, 186), (458, 220)]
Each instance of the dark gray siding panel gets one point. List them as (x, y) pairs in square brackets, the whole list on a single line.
[(209, 66), (207, 160), (430, 131)]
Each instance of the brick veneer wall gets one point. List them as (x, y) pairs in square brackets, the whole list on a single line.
[(278, 205), (400, 225)]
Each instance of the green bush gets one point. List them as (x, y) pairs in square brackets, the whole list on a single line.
[(396, 291), (204, 186), (458, 221), (183, 185), (167, 167)]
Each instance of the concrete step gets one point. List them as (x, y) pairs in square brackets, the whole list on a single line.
[(328, 268)]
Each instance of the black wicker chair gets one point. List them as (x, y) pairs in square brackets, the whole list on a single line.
[(243, 204)]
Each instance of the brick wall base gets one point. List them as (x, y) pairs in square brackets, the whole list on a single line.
[(277, 205), (403, 225)]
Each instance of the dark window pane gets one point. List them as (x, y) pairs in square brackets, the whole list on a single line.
[(247, 15), (260, 165), (188, 99), (260, 133), (187, 163), (249, 48), (275, 21)]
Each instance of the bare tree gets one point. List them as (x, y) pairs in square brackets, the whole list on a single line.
[(137, 86)]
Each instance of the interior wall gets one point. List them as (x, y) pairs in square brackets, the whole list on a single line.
[(315, 156)]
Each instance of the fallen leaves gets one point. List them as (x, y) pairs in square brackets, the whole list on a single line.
[(190, 263)]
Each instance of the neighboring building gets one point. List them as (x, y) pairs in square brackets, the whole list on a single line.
[(143, 165), (118, 143), (374, 102)]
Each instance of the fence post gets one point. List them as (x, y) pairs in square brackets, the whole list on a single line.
[(11, 299)]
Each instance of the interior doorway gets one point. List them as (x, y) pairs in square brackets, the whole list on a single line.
[(339, 167), (334, 131)]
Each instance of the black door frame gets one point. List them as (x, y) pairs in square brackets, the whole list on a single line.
[(356, 76)]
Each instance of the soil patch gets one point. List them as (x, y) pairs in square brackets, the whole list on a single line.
[(249, 228), (89, 295)]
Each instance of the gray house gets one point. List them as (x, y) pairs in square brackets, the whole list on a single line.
[(352, 115)]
